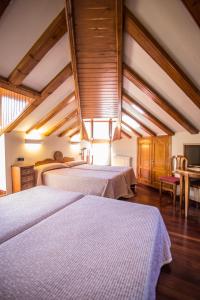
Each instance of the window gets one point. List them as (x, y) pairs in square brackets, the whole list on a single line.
[(101, 130), (11, 106), (101, 153)]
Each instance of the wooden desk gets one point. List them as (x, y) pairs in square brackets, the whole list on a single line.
[(185, 176)]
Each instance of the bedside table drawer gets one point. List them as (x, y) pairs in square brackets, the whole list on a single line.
[(27, 171), (27, 185), (27, 178)]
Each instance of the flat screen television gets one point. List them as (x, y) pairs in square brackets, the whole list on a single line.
[(192, 152)]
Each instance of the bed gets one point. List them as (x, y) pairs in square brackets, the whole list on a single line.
[(127, 172), (22, 210), (90, 249), (87, 181)]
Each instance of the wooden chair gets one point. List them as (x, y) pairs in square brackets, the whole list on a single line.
[(170, 183)]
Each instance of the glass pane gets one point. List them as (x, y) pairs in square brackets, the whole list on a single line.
[(11, 106), (101, 153), (101, 130)]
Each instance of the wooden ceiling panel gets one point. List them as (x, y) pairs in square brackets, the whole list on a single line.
[(97, 27)]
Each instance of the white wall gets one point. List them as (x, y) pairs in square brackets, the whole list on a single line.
[(15, 147), (181, 138), (2, 164), (126, 147)]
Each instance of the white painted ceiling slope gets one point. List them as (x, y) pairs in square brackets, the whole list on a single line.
[(167, 20)]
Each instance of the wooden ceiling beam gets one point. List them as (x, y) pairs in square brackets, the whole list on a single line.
[(147, 114), (54, 128), (67, 130), (48, 90), (161, 57), (117, 132), (69, 18), (193, 7), (119, 30), (77, 130), (70, 98), (135, 132), (22, 90), (142, 125), (47, 40), (125, 134), (3, 6), (56, 81), (158, 99)]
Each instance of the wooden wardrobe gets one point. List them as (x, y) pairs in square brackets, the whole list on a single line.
[(154, 156)]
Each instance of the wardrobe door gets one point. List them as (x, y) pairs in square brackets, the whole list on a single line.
[(144, 160), (161, 154)]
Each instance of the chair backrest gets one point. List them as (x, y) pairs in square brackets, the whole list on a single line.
[(178, 162)]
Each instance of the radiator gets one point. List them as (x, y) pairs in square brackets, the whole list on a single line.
[(121, 160)]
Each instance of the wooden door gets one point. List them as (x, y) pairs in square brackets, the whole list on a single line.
[(161, 154), (144, 160)]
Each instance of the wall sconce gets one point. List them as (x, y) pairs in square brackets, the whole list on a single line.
[(30, 141)]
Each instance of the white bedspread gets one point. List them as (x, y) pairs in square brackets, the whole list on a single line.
[(104, 183), (126, 171), (92, 249), (22, 210)]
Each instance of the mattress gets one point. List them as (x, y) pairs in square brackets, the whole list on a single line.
[(126, 171), (92, 249), (22, 210), (99, 183)]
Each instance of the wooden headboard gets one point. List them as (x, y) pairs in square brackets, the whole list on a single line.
[(45, 161), (51, 161)]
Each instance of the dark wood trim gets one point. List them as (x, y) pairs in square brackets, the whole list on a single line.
[(69, 17), (22, 90), (131, 75), (125, 134), (70, 98), (161, 57), (119, 30), (193, 7), (56, 81), (83, 132), (135, 132), (54, 128), (3, 5), (128, 99), (47, 40), (142, 125)]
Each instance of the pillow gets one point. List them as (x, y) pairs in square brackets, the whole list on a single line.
[(75, 163)]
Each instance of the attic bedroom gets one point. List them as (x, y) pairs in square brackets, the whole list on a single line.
[(99, 149)]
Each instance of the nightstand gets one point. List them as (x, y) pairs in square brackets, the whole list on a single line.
[(23, 177)]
